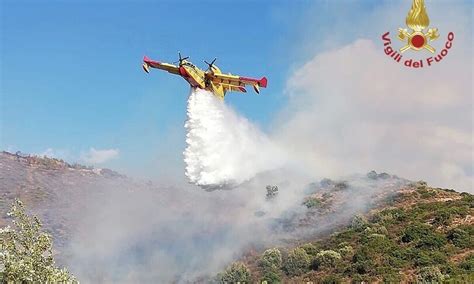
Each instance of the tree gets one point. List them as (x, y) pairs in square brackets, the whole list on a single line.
[(430, 274), (270, 263), (359, 223), (460, 238), (312, 202), (297, 262), (310, 249), (237, 272), (272, 191), (345, 250), (327, 258), (26, 251)]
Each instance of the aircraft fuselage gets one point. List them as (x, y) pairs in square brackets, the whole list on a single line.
[(197, 78)]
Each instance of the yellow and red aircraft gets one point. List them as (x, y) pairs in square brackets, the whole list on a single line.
[(212, 79)]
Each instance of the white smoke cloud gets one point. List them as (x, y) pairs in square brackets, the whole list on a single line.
[(94, 156), (354, 109), (224, 148)]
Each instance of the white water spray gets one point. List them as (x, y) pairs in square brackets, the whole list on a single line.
[(224, 148)]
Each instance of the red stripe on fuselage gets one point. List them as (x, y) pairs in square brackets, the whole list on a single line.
[(184, 73)]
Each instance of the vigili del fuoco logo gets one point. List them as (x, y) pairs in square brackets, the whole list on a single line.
[(417, 38)]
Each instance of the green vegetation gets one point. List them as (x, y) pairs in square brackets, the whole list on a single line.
[(297, 262), (321, 203), (312, 202), (272, 191), (327, 258), (430, 274), (26, 252), (270, 264), (237, 272), (424, 235), (359, 223)]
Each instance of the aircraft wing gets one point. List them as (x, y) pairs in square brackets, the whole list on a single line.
[(237, 83), (147, 63), (233, 88)]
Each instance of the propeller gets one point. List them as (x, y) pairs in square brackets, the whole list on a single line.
[(210, 64), (180, 58)]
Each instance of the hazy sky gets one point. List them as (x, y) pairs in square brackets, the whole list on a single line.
[(72, 85)]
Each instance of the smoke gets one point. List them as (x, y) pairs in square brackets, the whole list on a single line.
[(223, 148), (351, 108), (127, 232)]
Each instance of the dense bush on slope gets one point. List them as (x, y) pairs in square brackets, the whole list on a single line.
[(237, 272), (420, 234), (26, 252), (270, 265)]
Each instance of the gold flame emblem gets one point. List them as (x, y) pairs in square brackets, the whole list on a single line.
[(417, 20)]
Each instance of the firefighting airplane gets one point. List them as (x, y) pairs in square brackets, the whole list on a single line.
[(212, 79)]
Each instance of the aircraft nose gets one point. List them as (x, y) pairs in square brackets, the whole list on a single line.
[(183, 72)]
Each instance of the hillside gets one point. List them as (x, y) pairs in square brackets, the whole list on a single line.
[(419, 234), (110, 228), (52, 188)]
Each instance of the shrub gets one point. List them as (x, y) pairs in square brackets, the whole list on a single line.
[(468, 263), (430, 274), (414, 232), (363, 267), (381, 217), (342, 185), (392, 278), (395, 262), (420, 184), (377, 243), (363, 261), (297, 262), (426, 193), (359, 223), (310, 249), (376, 229), (384, 176), (26, 252), (236, 272), (357, 278), (468, 198), (423, 236), (272, 191), (460, 238), (271, 277), (312, 202), (327, 258), (326, 182), (433, 240), (331, 279), (346, 250), (271, 258), (427, 258), (270, 262), (372, 175), (444, 216)]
